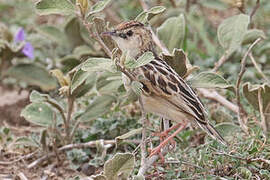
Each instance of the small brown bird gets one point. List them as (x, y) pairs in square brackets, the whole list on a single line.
[(165, 93)]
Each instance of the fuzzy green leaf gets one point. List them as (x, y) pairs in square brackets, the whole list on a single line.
[(38, 113), (172, 32), (232, 31), (99, 6), (137, 87), (129, 134), (142, 60), (63, 7), (209, 80), (120, 166), (145, 16), (33, 75), (73, 32), (251, 35), (79, 78), (53, 33), (98, 107), (97, 64)]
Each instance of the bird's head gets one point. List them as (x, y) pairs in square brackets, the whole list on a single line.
[(132, 37)]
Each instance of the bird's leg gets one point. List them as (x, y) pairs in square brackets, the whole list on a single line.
[(157, 150), (166, 132)]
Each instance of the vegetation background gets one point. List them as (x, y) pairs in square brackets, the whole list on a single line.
[(65, 114)]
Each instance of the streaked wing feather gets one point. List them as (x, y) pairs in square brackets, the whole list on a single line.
[(162, 80)]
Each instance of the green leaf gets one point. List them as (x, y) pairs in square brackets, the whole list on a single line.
[(129, 134), (97, 64), (33, 75), (142, 60), (142, 17), (73, 32), (98, 107), (53, 33), (145, 16), (99, 6), (38, 113), (154, 11), (172, 32), (120, 166), (63, 7), (232, 31), (110, 86), (137, 87), (78, 79), (178, 61), (209, 80), (251, 35), (36, 97)]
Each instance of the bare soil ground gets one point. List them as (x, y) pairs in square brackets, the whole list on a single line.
[(12, 102)]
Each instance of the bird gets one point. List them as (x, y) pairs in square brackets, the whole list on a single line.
[(164, 92)]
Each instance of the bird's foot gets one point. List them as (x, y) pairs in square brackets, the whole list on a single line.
[(169, 139)]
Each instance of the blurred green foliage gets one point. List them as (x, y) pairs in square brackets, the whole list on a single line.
[(92, 103)]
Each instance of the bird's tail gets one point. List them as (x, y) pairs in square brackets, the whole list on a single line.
[(213, 133)]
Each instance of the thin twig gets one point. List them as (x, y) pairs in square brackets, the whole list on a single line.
[(69, 113), (214, 95), (248, 160), (72, 146), (22, 176), (143, 141), (263, 122), (154, 36), (257, 67), (21, 158), (173, 3), (241, 112), (254, 10), (220, 62)]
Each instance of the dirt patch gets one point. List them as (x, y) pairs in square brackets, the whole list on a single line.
[(12, 102)]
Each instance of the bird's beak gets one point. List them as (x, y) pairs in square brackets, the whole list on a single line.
[(109, 33)]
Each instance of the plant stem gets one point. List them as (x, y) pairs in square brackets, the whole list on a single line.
[(242, 115), (69, 113)]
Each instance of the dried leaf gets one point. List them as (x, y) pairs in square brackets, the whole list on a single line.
[(178, 61)]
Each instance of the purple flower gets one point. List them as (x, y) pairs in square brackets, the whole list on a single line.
[(28, 50), (20, 36)]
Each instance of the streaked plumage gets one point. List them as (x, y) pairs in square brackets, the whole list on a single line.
[(165, 93)]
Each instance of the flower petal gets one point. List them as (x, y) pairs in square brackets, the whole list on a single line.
[(28, 50), (20, 35)]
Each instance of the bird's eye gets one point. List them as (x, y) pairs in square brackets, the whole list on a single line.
[(122, 35), (129, 33)]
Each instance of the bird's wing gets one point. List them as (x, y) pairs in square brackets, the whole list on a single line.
[(161, 80)]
